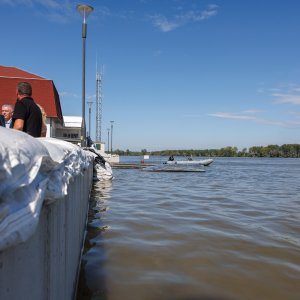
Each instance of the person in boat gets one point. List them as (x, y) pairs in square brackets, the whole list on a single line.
[(171, 158)]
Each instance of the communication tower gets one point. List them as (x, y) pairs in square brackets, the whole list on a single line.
[(98, 106)]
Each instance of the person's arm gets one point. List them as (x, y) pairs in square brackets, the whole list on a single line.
[(44, 130), (19, 115), (2, 121), (19, 124)]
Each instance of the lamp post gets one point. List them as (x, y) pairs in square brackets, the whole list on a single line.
[(111, 135), (108, 139), (90, 109), (84, 10)]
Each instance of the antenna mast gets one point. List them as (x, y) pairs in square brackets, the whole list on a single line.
[(98, 106)]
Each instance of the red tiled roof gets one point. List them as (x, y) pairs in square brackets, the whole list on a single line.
[(13, 72), (43, 90)]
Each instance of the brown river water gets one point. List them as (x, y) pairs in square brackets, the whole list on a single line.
[(231, 232)]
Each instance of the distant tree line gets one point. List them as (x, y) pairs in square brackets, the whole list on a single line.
[(286, 150)]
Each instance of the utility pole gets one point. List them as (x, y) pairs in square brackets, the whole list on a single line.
[(108, 140), (84, 10), (111, 136)]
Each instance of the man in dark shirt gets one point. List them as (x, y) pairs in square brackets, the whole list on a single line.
[(27, 115)]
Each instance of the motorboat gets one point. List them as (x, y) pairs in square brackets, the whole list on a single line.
[(174, 168), (203, 162)]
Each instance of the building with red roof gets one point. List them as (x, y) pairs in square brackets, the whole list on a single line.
[(43, 92)]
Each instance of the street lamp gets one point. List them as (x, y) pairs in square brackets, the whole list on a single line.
[(108, 139), (111, 135), (90, 109), (84, 10)]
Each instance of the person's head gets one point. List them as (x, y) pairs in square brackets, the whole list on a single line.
[(24, 89), (7, 111)]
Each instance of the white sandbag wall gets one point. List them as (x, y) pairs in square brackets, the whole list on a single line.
[(40, 259), (46, 265)]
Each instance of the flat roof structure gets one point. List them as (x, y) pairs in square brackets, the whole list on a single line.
[(72, 121)]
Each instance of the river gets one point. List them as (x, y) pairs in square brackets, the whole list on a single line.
[(231, 232)]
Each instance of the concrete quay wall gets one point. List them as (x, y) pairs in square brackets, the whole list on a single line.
[(45, 267)]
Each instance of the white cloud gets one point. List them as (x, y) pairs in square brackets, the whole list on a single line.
[(275, 90), (16, 2), (295, 113), (54, 10), (68, 94), (244, 116), (287, 98), (46, 3), (54, 4), (294, 123), (76, 96), (260, 90), (91, 97), (284, 93), (234, 116), (51, 3), (165, 25), (272, 122), (252, 111), (296, 89)]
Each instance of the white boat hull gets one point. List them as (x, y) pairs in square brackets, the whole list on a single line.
[(203, 162)]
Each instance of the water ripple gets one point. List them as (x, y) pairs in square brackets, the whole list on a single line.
[(232, 232)]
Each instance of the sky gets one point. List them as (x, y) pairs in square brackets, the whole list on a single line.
[(176, 74)]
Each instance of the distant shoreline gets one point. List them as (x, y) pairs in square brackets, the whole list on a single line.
[(283, 151)]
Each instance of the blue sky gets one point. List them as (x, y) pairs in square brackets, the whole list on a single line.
[(177, 74)]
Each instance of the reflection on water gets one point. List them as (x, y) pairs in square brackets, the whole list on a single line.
[(231, 232), (98, 206)]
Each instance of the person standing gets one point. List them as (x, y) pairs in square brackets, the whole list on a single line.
[(27, 115), (7, 112)]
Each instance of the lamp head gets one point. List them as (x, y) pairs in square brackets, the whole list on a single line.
[(84, 10)]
